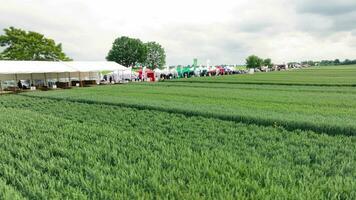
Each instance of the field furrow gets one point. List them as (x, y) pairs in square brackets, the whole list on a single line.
[(63, 149)]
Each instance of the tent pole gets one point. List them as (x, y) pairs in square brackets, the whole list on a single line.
[(46, 84), (80, 80), (31, 80), (16, 80), (70, 83)]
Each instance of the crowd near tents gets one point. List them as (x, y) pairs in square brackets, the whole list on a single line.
[(34, 75)]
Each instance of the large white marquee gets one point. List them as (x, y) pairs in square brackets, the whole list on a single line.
[(60, 71)]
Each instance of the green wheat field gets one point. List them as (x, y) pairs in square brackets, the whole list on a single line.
[(278, 135)]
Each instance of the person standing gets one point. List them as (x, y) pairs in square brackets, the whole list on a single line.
[(19, 84)]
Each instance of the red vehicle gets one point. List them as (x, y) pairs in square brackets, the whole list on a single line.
[(220, 70), (147, 74)]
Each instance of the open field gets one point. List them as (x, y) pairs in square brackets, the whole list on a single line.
[(182, 140), (317, 76), (324, 109), (61, 149)]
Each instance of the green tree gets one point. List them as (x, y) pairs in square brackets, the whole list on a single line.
[(267, 62), (336, 62), (127, 51), (156, 56), (254, 61), (19, 44)]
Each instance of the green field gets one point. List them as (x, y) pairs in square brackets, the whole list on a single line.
[(181, 140), (317, 76), (330, 110)]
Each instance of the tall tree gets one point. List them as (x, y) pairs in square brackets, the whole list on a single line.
[(127, 51), (28, 45), (254, 61), (336, 62), (267, 62), (156, 56)]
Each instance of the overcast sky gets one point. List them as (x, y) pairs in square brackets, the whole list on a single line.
[(224, 31)]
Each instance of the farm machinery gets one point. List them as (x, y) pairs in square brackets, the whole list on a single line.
[(166, 73)]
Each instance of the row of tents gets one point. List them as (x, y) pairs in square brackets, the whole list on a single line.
[(145, 74), (44, 74)]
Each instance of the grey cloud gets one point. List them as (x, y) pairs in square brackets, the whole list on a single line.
[(254, 26), (323, 18), (214, 42), (326, 26), (345, 22), (326, 7), (280, 29)]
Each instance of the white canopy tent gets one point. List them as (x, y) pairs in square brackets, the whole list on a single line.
[(87, 70), (59, 71), (122, 75)]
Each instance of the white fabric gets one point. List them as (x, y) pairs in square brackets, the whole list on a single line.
[(28, 67), (41, 67), (88, 66), (122, 74)]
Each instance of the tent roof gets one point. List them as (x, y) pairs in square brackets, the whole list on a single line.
[(27, 67), (89, 66), (32, 67)]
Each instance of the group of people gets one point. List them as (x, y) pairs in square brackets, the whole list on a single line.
[(21, 86)]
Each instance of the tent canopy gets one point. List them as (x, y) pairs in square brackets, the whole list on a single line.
[(32, 67), (88, 66)]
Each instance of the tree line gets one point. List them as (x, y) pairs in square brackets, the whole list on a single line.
[(132, 52), (254, 61), (18, 44), (337, 62), (327, 62)]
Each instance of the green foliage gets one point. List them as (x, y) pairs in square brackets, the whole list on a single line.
[(267, 62), (65, 150), (127, 51), (23, 45), (329, 62), (185, 140), (254, 61), (156, 56), (309, 62)]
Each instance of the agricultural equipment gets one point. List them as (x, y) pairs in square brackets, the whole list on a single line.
[(185, 72), (220, 70), (212, 71), (229, 70), (146, 74), (167, 73)]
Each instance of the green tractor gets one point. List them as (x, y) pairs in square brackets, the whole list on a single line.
[(185, 71), (188, 71)]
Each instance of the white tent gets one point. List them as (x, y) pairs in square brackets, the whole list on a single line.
[(60, 71), (31, 67), (122, 75), (88, 70), (88, 66)]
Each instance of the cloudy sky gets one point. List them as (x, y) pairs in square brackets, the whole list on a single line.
[(224, 31)]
